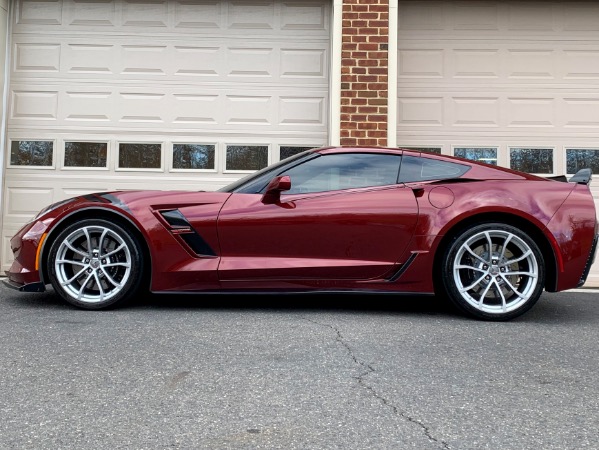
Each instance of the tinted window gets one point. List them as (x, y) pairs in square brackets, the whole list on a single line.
[(581, 158), (85, 154), (256, 182), (423, 169), (532, 160), (31, 153), (482, 154), (343, 171), (193, 156), (247, 157), (140, 156)]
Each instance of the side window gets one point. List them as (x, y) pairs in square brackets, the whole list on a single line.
[(343, 171), (415, 169)]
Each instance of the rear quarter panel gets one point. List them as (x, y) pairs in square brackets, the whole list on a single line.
[(534, 201)]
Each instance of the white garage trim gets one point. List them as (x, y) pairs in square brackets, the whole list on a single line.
[(335, 90), (392, 75)]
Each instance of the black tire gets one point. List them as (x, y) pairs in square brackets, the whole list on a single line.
[(493, 271), (107, 274)]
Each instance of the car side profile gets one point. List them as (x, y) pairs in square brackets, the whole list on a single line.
[(329, 220)]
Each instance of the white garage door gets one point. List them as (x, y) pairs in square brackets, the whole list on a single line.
[(514, 83), (131, 94)]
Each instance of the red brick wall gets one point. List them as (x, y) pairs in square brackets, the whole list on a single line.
[(365, 39)]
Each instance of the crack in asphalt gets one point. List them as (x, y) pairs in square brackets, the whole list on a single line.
[(368, 370)]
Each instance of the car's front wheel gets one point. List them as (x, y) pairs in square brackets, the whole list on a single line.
[(493, 271), (94, 264)]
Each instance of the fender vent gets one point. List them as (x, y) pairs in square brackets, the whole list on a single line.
[(181, 228)]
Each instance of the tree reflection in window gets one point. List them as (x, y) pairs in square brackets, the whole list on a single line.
[(532, 160), (483, 154), (247, 157), (85, 154), (291, 150), (582, 158), (31, 153), (193, 156), (140, 156)]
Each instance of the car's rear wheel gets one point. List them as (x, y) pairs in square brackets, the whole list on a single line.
[(94, 264), (493, 271)]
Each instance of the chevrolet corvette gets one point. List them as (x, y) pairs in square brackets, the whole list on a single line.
[(328, 220)]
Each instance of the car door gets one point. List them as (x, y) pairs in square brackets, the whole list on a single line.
[(345, 217)]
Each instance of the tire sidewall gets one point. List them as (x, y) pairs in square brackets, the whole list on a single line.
[(135, 276), (450, 286)]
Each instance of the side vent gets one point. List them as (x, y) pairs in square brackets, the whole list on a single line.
[(180, 227)]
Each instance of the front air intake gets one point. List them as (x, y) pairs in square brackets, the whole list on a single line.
[(182, 229)]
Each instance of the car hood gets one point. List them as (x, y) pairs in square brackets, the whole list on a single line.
[(135, 201)]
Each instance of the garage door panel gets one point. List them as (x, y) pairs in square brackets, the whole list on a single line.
[(499, 111), (214, 108), (35, 104), (36, 58), (182, 62), (27, 201), (184, 17), (482, 62)]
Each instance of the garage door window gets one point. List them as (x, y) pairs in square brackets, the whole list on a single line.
[(85, 154), (435, 150), (483, 154), (289, 150), (245, 158), (582, 158), (194, 156), (140, 156), (31, 153), (532, 160)]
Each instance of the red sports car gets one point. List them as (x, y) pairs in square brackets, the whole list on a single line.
[(326, 220)]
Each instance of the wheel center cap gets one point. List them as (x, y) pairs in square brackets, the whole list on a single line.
[(94, 263), (494, 270)]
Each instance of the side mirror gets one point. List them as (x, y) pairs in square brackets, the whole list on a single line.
[(274, 189)]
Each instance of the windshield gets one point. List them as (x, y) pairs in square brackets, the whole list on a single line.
[(257, 181)]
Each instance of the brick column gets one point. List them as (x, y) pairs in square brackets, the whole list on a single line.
[(364, 79)]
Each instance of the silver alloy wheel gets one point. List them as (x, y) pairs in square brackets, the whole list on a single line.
[(495, 271), (93, 264)]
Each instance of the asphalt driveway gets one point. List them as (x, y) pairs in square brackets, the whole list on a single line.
[(350, 372)]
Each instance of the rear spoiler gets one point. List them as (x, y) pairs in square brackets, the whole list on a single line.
[(583, 176)]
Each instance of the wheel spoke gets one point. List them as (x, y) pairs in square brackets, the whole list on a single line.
[(513, 288), (528, 274), (89, 240), (69, 261), (101, 241), (79, 252), (117, 264), (109, 278), (467, 288), (489, 244), (503, 301), (481, 300), (504, 245), (519, 258), (99, 283), (463, 266), (70, 280), (89, 277), (469, 250), (116, 250)]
